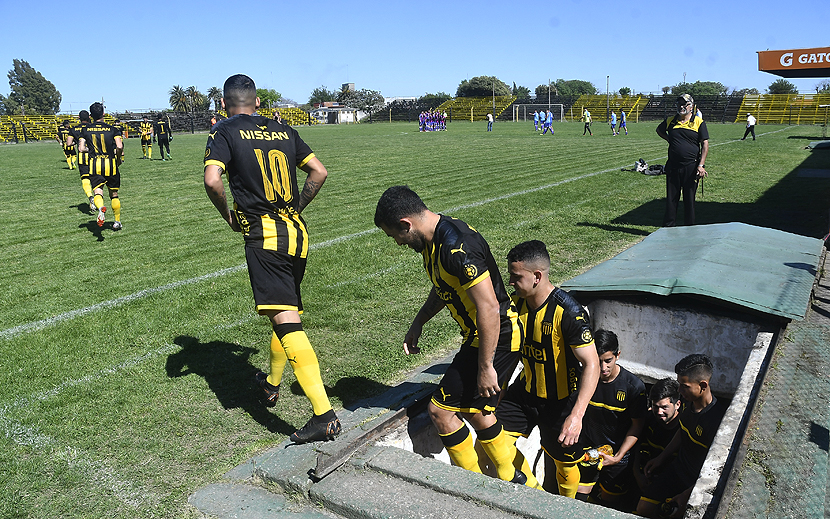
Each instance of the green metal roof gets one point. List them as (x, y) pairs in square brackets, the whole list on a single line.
[(762, 269)]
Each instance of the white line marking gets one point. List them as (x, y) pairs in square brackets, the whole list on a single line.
[(39, 325)]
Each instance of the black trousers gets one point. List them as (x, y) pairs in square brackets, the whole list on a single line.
[(164, 142), (680, 181), (748, 130)]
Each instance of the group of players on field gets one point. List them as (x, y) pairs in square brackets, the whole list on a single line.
[(96, 148), (432, 121), (603, 438)]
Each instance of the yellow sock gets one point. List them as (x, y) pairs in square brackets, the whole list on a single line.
[(306, 368), (99, 201), (520, 462), (501, 451), (69, 162), (459, 445), (116, 208), (567, 475), (278, 360), (149, 152), (144, 149), (87, 187)]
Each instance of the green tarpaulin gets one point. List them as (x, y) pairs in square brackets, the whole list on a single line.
[(762, 269)]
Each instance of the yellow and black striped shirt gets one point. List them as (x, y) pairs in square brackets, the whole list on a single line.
[(100, 139), (146, 130), (83, 156), (552, 332), (261, 157), (458, 259)]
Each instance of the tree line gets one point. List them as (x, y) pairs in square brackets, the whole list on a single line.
[(31, 93)]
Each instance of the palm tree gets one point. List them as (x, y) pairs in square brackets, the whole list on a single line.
[(178, 99), (215, 95)]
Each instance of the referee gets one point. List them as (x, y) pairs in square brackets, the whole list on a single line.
[(260, 157)]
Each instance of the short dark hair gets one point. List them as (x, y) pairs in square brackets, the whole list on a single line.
[(696, 367), (65, 122), (159, 117), (395, 203), (665, 388), (605, 341), (239, 90), (83, 115), (532, 251), (96, 110)]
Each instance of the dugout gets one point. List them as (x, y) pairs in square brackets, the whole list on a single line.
[(726, 290)]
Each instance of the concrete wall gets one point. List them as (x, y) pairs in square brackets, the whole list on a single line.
[(652, 340)]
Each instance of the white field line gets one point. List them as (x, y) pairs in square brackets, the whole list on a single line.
[(97, 472), (44, 323)]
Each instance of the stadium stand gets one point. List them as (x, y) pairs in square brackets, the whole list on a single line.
[(784, 108)]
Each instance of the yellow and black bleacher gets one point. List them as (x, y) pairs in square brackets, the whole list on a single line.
[(785, 108)]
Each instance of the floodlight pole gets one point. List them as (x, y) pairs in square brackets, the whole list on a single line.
[(494, 99), (548, 94), (607, 98)]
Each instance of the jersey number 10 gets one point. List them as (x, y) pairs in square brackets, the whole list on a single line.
[(276, 176)]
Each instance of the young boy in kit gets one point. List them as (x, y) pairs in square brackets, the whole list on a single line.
[(661, 425), (699, 422), (615, 417)]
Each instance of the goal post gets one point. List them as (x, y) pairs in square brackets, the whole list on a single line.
[(524, 112)]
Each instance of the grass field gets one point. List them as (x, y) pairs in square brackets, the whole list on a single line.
[(126, 358)]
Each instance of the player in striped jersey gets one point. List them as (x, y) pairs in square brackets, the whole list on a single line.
[(68, 148), (103, 142), (260, 157), (465, 279), (553, 390), (146, 131), (83, 157)]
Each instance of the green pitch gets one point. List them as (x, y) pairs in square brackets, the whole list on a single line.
[(127, 356)]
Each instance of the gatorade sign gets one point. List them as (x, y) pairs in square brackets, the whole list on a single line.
[(796, 63)]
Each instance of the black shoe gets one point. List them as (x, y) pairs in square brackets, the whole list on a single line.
[(519, 478), (272, 393), (319, 428)]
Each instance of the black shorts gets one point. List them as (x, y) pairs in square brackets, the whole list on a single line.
[(146, 140), (458, 390), (615, 480), (83, 169), (667, 483), (275, 279), (69, 151), (519, 412)]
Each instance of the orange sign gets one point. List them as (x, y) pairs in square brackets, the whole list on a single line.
[(796, 63)]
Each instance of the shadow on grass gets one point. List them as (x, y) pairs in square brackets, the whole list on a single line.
[(82, 208), (796, 204), (614, 228), (92, 227), (229, 374)]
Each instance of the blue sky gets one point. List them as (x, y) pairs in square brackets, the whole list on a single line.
[(132, 53)]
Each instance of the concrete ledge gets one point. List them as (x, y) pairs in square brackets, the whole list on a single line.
[(464, 486)]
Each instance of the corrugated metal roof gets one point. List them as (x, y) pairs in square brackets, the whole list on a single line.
[(762, 269)]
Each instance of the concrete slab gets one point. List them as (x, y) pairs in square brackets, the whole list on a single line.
[(240, 501)]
